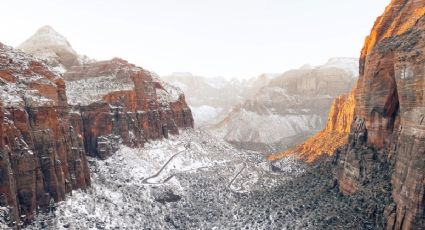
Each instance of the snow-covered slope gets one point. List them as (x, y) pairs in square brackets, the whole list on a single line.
[(140, 188), (15, 93), (196, 181), (46, 37)]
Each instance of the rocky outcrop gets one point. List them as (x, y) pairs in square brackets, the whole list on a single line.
[(42, 155), (332, 137), (113, 102), (121, 103), (46, 131), (291, 108), (388, 129)]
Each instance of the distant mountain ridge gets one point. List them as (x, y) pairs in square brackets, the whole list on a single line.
[(211, 98), (290, 108)]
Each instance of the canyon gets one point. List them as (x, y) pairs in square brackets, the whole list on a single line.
[(88, 144), (388, 128), (380, 151)]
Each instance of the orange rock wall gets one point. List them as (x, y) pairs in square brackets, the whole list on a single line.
[(329, 139), (388, 128)]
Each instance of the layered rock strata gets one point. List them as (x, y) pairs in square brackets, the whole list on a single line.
[(121, 103), (49, 124), (113, 102), (289, 109), (388, 128), (384, 160), (42, 155)]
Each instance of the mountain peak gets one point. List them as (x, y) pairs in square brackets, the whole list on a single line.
[(52, 46), (46, 29), (45, 38)]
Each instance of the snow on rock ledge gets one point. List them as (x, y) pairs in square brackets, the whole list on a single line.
[(42, 156), (122, 103)]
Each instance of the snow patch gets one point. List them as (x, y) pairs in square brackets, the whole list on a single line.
[(89, 90)]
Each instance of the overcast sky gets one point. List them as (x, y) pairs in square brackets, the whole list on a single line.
[(232, 38)]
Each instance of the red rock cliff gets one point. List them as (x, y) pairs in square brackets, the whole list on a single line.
[(122, 103), (42, 156), (389, 127)]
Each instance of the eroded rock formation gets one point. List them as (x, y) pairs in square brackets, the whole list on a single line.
[(42, 156), (384, 159), (389, 129), (48, 124), (113, 102), (122, 103)]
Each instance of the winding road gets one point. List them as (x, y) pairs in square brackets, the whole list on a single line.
[(236, 176), (158, 173), (146, 180)]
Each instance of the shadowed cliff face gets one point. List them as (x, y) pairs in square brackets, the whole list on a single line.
[(389, 126), (387, 133), (42, 156), (388, 58)]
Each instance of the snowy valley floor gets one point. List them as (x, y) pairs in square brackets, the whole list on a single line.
[(196, 181)]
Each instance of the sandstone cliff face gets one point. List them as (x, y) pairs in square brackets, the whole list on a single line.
[(113, 102), (121, 103), (45, 130), (388, 128), (289, 109), (333, 136), (42, 156)]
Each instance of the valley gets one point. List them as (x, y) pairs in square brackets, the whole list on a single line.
[(196, 180), (108, 144)]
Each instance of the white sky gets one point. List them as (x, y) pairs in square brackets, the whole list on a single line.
[(232, 38)]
